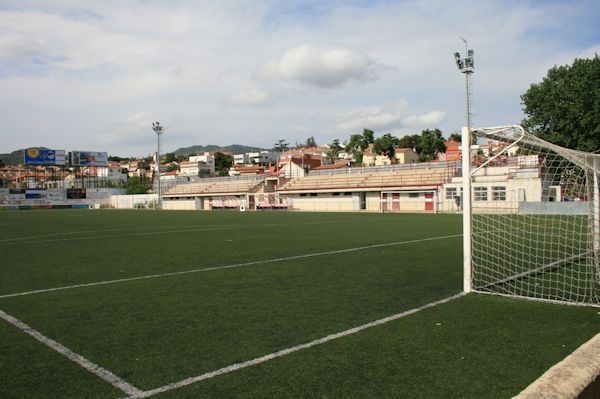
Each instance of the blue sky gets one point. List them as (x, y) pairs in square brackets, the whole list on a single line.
[(91, 75)]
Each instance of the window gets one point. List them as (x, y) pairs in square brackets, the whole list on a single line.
[(335, 194), (480, 194), (499, 193), (347, 193), (303, 195), (414, 195), (450, 193), (313, 194)]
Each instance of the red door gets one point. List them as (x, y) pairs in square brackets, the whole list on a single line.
[(384, 204), (429, 201), (396, 202)]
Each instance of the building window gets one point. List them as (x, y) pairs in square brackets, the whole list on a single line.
[(480, 194), (451, 193), (303, 195), (347, 193), (336, 194), (313, 194), (499, 193), (414, 195)]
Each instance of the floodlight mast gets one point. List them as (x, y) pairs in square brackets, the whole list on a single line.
[(466, 66), (158, 129)]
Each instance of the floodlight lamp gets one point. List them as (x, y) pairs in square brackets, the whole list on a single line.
[(457, 56), (470, 53)]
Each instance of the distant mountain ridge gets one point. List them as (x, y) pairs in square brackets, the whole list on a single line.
[(199, 149), (14, 158)]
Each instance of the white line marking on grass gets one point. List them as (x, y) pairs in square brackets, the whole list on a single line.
[(207, 269), (284, 352), (99, 371)]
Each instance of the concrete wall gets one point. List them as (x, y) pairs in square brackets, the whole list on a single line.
[(187, 204), (132, 201), (322, 202)]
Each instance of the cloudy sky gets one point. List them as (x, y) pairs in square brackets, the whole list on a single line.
[(94, 75)]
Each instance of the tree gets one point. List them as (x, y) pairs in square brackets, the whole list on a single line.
[(386, 145), (222, 162), (565, 107), (358, 143), (409, 141), (172, 167), (431, 142), (456, 137), (310, 142), (281, 146), (334, 150), (170, 157), (138, 185)]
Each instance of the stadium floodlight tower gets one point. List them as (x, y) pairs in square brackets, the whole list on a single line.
[(467, 66), (158, 129)]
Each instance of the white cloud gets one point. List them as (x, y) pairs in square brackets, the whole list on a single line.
[(77, 75), (249, 98), (430, 119), (322, 66), (392, 116)]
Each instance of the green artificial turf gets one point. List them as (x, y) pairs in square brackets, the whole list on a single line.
[(29, 369), (477, 346), (157, 331)]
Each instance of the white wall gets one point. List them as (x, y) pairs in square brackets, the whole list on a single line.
[(130, 201)]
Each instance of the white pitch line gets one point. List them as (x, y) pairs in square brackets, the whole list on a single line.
[(257, 262), (95, 369), (284, 352)]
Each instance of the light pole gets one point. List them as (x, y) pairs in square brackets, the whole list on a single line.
[(466, 66), (158, 129)]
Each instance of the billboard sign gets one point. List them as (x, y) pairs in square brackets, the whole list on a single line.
[(36, 193), (3, 196), (16, 195), (89, 158), (75, 193), (43, 156)]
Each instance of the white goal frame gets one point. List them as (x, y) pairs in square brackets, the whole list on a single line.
[(591, 162)]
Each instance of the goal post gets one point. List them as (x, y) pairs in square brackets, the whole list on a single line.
[(531, 217)]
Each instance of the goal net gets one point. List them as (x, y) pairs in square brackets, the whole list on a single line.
[(533, 212)]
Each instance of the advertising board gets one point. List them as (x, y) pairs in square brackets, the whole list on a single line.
[(89, 158), (36, 193), (43, 156), (3, 196), (75, 193)]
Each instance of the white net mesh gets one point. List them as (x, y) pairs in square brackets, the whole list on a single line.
[(535, 218)]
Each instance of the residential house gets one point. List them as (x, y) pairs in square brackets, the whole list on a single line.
[(402, 156)]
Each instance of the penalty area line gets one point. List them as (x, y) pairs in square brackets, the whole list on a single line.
[(287, 351), (232, 266), (95, 369)]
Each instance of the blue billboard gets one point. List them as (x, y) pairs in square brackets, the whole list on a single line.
[(43, 156)]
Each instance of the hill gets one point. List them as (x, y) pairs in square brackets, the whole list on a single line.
[(14, 158), (198, 149)]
